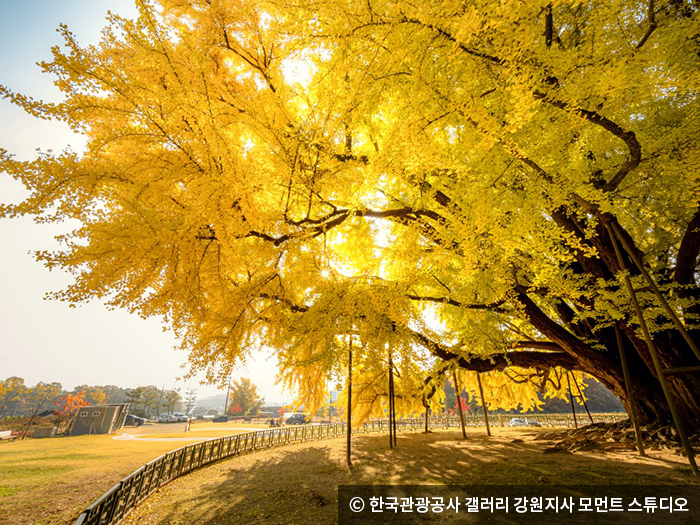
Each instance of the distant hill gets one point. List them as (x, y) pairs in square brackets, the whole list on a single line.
[(215, 401)]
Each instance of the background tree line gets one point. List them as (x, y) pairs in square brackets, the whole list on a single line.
[(598, 399), (18, 399)]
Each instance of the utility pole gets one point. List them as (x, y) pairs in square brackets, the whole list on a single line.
[(349, 459), (392, 441), (160, 399), (571, 398), (458, 391), (393, 398), (228, 391), (483, 404)]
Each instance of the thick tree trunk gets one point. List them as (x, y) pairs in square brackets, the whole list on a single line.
[(650, 403), (673, 351), (647, 396), (606, 367)]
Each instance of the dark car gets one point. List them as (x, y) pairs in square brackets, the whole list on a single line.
[(221, 419), (298, 419), (134, 420)]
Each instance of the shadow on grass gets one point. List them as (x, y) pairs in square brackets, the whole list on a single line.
[(298, 483)]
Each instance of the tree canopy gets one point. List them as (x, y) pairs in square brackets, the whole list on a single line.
[(433, 179)]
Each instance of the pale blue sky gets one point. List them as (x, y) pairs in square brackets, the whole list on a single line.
[(44, 340)]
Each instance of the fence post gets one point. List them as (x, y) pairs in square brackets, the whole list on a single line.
[(112, 506), (483, 404)]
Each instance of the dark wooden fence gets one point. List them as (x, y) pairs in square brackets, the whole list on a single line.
[(118, 501), (544, 420)]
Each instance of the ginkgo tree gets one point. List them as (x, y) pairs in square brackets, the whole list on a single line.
[(435, 178)]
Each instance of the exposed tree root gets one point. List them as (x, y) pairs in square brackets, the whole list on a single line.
[(615, 437)]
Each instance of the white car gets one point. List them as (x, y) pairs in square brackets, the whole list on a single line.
[(168, 419), (517, 422)]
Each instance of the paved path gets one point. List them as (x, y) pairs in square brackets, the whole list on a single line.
[(242, 429), (153, 437), (131, 437)]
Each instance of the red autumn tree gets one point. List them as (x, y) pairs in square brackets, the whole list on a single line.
[(465, 406), (69, 404)]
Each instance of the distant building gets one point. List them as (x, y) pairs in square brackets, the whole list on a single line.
[(44, 432), (100, 419)]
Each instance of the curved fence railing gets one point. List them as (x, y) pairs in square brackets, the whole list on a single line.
[(118, 501)]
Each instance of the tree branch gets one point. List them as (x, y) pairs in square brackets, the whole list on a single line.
[(334, 219), (494, 307), (283, 300), (538, 360), (441, 32), (628, 137), (250, 60), (651, 17), (539, 345), (603, 366)]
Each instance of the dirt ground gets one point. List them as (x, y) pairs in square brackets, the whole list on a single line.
[(298, 483)]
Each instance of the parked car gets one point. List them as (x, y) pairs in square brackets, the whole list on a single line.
[(168, 419), (523, 423), (134, 420), (181, 418), (221, 419), (298, 419)]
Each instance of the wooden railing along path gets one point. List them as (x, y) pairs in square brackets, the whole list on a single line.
[(123, 497)]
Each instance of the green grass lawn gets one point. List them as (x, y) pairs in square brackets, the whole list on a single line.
[(53, 480)]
